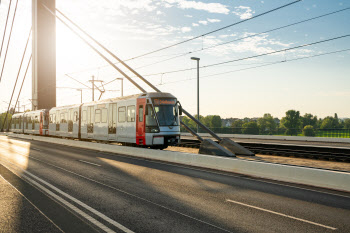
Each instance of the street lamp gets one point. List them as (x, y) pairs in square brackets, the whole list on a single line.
[(121, 79), (197, 59)]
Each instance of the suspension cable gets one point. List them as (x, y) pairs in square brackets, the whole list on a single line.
[(19, 70)]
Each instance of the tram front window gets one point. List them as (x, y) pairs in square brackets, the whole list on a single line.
[(166, 110)]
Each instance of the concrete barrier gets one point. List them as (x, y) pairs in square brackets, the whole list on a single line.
[(294, 174)]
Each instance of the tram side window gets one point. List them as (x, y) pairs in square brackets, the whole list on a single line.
[(121, 114), (26, 122), (131, 113), (63, 119), (75, 116), (140, 113), (84, 116), (58, 120), (20, 122), (104, 115), (97, 115)]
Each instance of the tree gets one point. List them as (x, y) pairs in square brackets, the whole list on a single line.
[(292, 122), (309, 131), (347, 124), (267, 124), (237, 126), (212, 121), (309, 119), (250, 128), (327, 123)]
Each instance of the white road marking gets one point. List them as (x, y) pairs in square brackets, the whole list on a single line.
[(280, 214), (98, 165), (75, 209), (32, 204), (135, 196)]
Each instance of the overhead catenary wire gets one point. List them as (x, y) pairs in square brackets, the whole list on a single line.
[(216, 30), (3, 37), (255, 67), (8, 43), (244, 37), (246, 58)]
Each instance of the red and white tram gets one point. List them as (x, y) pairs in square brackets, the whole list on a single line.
[(149, 119)]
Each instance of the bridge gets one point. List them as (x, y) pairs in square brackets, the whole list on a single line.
[(72, 182)]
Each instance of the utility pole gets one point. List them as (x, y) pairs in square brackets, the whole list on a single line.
[(24, 108), (93, 87), (19, 106), (81, 95), (197, 59)]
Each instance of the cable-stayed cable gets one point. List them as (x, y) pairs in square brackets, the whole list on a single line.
[(19, 70), (8, 43), (224, 43), (3, 37), (20, 90), (246, 37), (219, 29), (250, 57)]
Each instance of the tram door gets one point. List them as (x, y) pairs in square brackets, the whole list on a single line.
[(140, 122), (112, 122)]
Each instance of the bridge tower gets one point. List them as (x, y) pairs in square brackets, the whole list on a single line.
[(44, 54)]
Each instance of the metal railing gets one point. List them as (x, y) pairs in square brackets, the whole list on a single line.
[(332, 133)]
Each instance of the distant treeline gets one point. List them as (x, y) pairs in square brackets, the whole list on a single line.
[(291, 124)]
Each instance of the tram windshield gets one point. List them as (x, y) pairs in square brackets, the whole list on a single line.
[(166, 111)]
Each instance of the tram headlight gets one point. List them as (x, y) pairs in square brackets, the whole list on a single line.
[(152, 129)]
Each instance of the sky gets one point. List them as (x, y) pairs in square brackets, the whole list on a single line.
[(247, 88)]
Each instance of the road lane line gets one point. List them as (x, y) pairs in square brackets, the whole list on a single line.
[(88, 217), (95, 164), (280, 214), (242, 176), (135, 196), (32, 204)]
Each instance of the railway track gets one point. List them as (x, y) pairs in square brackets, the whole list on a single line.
[(288, 150)]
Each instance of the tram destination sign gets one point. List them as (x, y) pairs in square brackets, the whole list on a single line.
[(164, 101)]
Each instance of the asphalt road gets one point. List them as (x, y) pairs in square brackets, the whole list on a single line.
[(82, 190)]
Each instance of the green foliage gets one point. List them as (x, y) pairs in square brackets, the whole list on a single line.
[(237, 127), (250, 128), (347, 124), (328, 123), (2, 118), (267, 124), (309, 119), (292, 122), (309, 131)]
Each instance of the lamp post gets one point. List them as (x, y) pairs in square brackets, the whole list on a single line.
[(121, 79), (197, 59)]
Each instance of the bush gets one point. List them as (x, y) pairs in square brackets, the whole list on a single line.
[(309, 131)]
